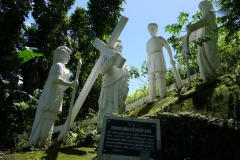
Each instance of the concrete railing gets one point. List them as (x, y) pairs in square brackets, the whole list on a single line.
[(147, 98)]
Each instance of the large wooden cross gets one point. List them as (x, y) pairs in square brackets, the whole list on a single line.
[(104, 49)]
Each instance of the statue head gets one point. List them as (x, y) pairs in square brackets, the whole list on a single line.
[(62, 54), (205, 6), (153, 28), (118, 47)]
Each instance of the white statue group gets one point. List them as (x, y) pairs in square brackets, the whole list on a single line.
[(115, 83)]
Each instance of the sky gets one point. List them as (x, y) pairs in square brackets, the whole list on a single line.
[(135, 34)]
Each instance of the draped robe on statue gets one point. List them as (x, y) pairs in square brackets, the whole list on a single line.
[(114, 89), (155, 55), (49, 106), (207, 56)]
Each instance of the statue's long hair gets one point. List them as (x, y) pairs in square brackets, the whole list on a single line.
[(60, 52)]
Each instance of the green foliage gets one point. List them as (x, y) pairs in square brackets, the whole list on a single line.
[(139, 93), (17, 113), (20, 140), (144, 68), (229, 51), (134, 73), (176, 42), (84, 135), (37, 93), (71, 138), (12, 17), (10, 80), (229, 17), (170, 79), (175, 29), (107, 11), (182, 71), (91, 114), (196, 16), (87, 135), (79, 31)]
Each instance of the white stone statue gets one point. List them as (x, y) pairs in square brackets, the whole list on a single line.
[(50, 101), (156, 62), (207, 56), (115, 86)]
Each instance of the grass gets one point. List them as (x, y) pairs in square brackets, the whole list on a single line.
[(62, 153)]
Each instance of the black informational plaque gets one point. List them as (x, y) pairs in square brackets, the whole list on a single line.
[(129, 137)]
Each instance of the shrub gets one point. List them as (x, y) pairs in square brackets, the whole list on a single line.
[(187, 135), (17, 113)]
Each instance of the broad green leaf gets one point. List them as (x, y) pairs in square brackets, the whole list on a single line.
[(23, 56)]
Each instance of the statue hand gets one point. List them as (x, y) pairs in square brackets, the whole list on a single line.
[(74, 83)]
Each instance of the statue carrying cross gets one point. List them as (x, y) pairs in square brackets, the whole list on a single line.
[(105, 49)]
